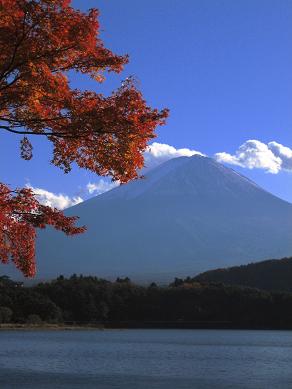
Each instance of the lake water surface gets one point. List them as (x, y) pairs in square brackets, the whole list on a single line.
[(146, 359)]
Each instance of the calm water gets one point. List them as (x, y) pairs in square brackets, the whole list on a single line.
[(134, 359)]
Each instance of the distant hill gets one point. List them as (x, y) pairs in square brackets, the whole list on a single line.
[(272, 275)]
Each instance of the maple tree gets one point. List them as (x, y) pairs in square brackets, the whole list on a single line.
[(20, 214), (41, 41)]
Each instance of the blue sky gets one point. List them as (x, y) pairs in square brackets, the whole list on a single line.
[(222, 67)]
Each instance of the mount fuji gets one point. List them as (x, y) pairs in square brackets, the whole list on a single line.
[(186, 216)]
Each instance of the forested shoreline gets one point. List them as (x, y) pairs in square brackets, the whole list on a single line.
[(90, 301)]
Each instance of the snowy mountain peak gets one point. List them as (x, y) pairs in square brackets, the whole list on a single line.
[(194, 176)]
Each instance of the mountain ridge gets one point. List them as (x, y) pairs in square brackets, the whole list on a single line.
[(130, 190)]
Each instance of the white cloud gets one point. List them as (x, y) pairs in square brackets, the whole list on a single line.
[(272, 157), (101, 186), (158, 153), (282, 152), (155, 154), (60, 201)]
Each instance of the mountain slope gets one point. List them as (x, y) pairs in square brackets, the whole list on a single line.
[(188, 215), (272, 275)]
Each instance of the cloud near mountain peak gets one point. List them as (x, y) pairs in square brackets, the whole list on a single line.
[(158, 153), (272, 157)]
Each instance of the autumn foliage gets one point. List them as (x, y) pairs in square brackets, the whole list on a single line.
[(41, 41), (20, 214)]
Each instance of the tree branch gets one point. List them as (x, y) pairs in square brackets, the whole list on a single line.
[(54, 134)]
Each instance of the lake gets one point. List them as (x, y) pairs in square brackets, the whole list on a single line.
[(144, 359)]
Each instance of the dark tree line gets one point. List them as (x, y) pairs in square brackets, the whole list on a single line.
[(184, 303)]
